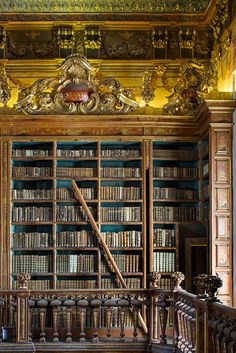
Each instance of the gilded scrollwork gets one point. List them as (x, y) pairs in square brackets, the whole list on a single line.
[(76, 91), (221, 16), (5, 91), (186, 99)]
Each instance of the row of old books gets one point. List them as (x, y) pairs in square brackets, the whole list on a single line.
[(174, 193), (73, 263), (31, 153), (178, 214), (77, 284), (32, 240), (32, 194), (125, 262), (76, 172), (32, 214), (121, 214), (83, 238), (120, 153), (163, 237), (39, 284), (120, 172), (83, 153), (166, 283), (31, 172), (67, 193), (164, 261), (72, 213), (131, 282), (174, 172), (32, 263), (177, 154), (128, 238), (120, 192)]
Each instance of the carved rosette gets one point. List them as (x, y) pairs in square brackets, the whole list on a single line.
[(154, 279), (23, 279), (76, 91), (178, 278)]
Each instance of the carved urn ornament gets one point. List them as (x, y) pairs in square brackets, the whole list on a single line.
[(154, 279), (76, 91)]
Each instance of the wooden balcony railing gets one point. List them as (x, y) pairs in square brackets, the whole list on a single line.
[(120, 316)]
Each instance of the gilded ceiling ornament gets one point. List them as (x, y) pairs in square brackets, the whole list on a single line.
[(221, 15), (5, 92), (186, 98), (66, 37), (187, 38), (92, 37), (105, 6), (76, 91), (3, 37)]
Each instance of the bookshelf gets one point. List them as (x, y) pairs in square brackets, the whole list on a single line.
[(50, 236), (174, 200)]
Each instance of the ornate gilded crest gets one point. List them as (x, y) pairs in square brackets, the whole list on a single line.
[(76, 91)]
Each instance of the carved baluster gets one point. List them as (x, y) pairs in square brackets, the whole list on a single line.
[(55, 304), (109, 304), (227, 332), (163, 304), (68, 303), (192, 321), (184, 329), (123, 305), (136, 305), (42, 304), (95, 304), (31, 306), (232, 344), (82, 304)]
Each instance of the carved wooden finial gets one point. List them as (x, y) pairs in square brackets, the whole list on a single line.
[(178, 278), (212, 285), (201, 286), (154, 279), (23, 279)]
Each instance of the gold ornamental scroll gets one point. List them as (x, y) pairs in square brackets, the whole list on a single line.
[(80, 198)]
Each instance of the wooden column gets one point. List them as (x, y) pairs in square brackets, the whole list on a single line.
[(220, 180)]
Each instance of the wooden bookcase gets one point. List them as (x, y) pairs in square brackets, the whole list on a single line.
[(50, 236), (174, 200)]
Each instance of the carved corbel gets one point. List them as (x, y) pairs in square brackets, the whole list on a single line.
[(66, 37), (187, 38), (159, 38), (92, 37)]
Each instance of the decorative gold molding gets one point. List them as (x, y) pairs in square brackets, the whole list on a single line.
[(187, 38), (77, 90), (3, 37)]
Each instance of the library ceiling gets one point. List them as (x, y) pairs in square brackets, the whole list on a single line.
[(145, 45)]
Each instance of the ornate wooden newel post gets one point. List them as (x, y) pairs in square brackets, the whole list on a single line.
[(22, 309)]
